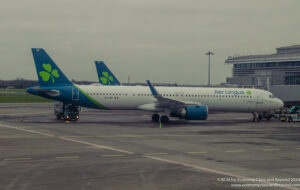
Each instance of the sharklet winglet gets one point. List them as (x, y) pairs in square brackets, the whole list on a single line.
[(153, 90)]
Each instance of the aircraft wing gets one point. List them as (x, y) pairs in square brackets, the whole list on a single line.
[(167, 103)]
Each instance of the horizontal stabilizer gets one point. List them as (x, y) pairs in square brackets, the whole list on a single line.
[(52, 93)]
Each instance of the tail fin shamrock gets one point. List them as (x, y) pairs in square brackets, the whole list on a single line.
[(48, 72), (106, 77)]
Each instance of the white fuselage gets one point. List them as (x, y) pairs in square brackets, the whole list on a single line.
[(216, 99)]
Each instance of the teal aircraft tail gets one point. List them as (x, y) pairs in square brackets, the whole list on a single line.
[(48, 72), (105, 76)]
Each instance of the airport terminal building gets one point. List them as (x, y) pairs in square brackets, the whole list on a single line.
[(278, 73)]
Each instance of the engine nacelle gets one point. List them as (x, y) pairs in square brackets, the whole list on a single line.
[(195, 112)]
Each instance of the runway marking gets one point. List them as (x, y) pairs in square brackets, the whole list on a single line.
[(197, 152), (232, 151), (139, 136), (147, 156), (212, 170), (17, 159), (11, 114), (22, 137), (67, 157), (68, 139), (271, 149), (27, 130), (96, 145), (160, 135), (112, 155), (179, 135), (156, 153)]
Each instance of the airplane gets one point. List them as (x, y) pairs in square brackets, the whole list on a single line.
[(189, 103), (105, 76)]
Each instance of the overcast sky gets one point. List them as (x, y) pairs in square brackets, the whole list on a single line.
[(159, 40)]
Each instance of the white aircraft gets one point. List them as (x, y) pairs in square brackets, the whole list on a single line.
[(188, 103)]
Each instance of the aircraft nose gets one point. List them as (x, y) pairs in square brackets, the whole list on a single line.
[(280, 103)]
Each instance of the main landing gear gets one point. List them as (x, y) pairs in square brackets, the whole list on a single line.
[(256, 117), (157, 118)]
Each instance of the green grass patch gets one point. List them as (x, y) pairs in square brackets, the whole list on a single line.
[(12, 90), (22, 99)]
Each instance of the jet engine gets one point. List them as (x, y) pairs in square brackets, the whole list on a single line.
[(194, 112)]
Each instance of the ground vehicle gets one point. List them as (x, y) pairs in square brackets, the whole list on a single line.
[(292, 114), (67, 112)]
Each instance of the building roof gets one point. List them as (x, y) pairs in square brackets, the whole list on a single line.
[(283, 54)]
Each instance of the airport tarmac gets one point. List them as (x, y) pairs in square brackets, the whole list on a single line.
[(126, 150)]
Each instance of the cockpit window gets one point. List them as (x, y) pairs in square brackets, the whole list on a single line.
[(271, 95)]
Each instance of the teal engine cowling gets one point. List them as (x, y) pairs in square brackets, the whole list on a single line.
[(193, 112), (196, 112)]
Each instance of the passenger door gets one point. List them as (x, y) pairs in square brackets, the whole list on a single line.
[(75, 94), (259, 101)]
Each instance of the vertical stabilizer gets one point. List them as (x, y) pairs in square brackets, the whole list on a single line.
[(105, 76), (48, 72)]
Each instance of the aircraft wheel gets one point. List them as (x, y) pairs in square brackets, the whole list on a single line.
[(58, 117), (155, 117), (256, 117), (164, 119)]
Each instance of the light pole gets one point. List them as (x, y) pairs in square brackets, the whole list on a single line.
[(209, 53)]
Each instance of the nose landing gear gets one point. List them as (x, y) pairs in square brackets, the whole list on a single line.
[(164, 119)]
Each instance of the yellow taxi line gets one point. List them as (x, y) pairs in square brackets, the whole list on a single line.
[(156, 153), (232, 151), (112, 155), (197, 152), (67, 157), (16, 159), (271, 149)]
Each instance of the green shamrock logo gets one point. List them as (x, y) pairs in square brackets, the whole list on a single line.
[(106, 78), (249, 92), (48, 73)]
